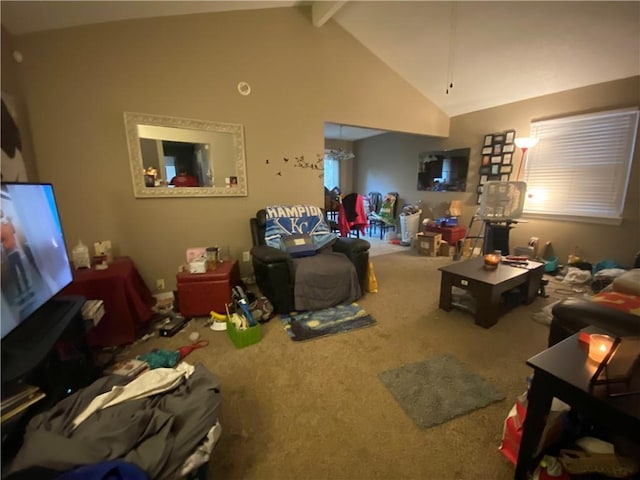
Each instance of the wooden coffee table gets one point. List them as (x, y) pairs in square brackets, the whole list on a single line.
[(488, 286)]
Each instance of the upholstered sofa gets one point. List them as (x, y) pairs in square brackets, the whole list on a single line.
[(275, 272), (615, 310)]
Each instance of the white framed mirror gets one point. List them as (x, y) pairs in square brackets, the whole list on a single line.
[(181, 157)]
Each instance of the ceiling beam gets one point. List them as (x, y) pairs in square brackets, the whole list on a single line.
[(321, 12)]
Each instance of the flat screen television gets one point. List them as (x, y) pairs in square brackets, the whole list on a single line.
[(35, 265)]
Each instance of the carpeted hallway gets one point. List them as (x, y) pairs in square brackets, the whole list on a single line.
[(317, 409)]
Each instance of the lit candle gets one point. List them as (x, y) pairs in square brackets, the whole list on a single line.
[(492, 260), (599, 346)]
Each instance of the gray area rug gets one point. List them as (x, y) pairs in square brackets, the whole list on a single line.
[(438, 389)]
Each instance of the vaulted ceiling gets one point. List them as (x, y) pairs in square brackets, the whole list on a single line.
[(463, 56)]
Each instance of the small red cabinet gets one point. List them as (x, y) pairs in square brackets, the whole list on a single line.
[(199, 293), (451, 235)]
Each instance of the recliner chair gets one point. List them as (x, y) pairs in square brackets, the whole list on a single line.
[(273, 268)]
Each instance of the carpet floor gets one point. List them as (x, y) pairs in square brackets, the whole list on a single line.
[(318, 410)]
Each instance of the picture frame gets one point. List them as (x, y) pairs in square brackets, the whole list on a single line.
[(495, 169), (498, 138), (486, 160), (480, 188), (488, 140), (487, 150), (509, 136), (506, 168), (497, 149), (509, 148), (496, 159), (507, 158), (504, 177), (485, 170), (483, 179)]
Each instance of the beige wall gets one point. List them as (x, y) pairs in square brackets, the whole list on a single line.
[(78, 82), (389, 162)]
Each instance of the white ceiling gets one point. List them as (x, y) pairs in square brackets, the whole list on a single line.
[(493, 52)]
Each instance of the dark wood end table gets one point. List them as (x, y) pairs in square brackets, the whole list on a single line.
[(563, 371), (487, 286)]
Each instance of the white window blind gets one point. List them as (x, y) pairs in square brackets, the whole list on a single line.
[(331, 172), (580, 167)]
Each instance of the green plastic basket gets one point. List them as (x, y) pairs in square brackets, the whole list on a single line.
[(244, 338)]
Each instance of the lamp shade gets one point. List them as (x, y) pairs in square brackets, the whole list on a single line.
[(525, 142)]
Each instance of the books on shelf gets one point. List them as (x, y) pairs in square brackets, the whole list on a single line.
[(17, 397), (93, 310)]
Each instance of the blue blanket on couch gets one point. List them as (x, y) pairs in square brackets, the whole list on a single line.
[(283, 220)]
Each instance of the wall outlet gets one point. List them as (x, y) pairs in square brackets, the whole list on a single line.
[(246, 256), (160, 284)]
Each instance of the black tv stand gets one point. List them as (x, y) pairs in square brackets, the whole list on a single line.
[(48, 350)]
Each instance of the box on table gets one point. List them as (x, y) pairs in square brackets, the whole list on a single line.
[(244, 338), (429, 243), (446, 250)]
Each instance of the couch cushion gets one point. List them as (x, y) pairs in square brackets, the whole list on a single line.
[(619, 301), (628, 282)]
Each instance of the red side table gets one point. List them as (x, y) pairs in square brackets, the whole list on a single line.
[(127, 301), (199, 293), (449, 234)]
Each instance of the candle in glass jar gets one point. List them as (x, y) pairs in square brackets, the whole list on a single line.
[(599, 346), (492, 260)]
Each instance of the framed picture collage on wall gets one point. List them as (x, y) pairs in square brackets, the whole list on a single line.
[(497, 156)]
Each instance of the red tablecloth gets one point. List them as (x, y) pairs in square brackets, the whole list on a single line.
[(127, 301)]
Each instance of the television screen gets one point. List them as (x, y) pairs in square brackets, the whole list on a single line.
[(34, 262)]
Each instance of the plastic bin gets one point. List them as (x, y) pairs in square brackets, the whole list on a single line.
[(244, 338), (409, 226)]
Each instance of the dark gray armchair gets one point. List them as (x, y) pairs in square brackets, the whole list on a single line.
[(273, 268)]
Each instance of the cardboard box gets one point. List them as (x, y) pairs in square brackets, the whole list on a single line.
[(446, 250), (429, 243)]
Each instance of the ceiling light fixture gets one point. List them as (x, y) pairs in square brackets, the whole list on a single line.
[(524, 143), (452, 39)]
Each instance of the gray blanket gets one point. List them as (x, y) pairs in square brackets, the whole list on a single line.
[(325, 280), (156, 433)]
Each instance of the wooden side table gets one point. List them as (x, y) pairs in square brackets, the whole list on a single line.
[(487, 286), (199, 293), (563, 371)]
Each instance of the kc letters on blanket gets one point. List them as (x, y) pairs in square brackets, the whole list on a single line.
[(283, 221)]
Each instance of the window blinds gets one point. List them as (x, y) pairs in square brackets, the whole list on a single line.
[(580, 167)]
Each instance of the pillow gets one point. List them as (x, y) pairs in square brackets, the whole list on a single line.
[(628, 282)]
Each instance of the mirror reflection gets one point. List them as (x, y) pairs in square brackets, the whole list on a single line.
[(443, 171), (173, 156)]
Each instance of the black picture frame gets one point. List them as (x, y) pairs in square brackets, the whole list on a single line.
[(506, 168), (485, 170), (495, 169), (499, 138), (507, 158), (484, 178), (480, 188), (487, 150), (497, 149), (509, 136), (504, 177), (488, 140), (508, 148), (496, 159), (486, 160)]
